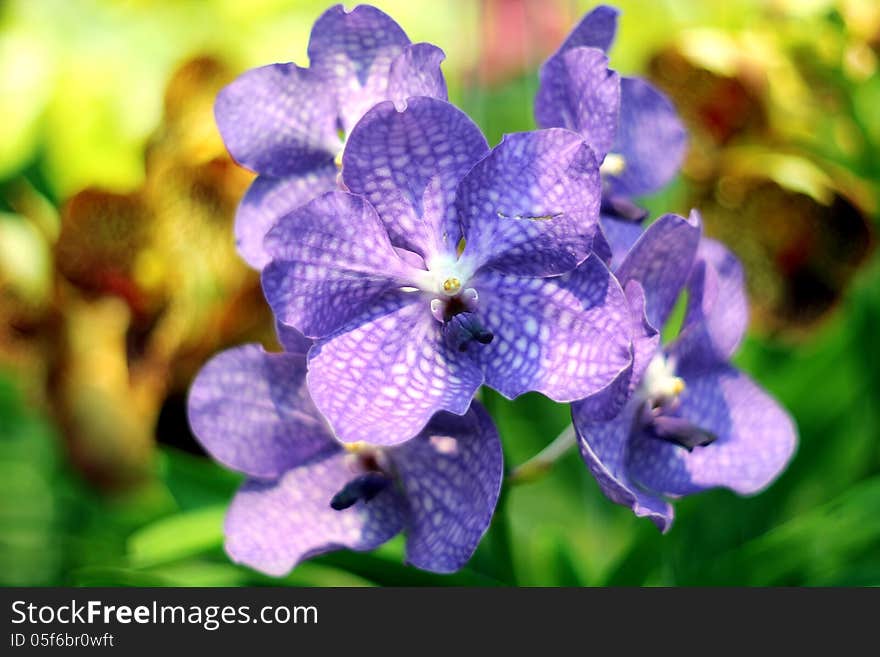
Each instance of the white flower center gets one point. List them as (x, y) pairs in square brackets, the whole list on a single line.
[(453, 303), (659, 384), (447, 276), (613, 165)]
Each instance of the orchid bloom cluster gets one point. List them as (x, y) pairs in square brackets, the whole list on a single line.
[(408, 264)]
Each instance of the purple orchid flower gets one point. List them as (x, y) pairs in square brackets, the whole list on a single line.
[(409, 321), (288, 123), (687, 419), (307, 494), (626, 120)]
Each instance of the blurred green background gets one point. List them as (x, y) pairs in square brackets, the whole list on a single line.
[(118, 279)]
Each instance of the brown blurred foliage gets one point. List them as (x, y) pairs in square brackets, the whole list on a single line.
[(780, 172), (145, 287)]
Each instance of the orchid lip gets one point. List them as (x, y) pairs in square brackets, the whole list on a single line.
[(464, 328), (374, 467), (680, 431), (483, 336), (362, 488)]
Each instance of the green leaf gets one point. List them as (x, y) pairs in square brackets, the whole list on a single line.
[(812, 549), (177, 537), (196, 481), (310, 573), (115, 576), (387, 572)]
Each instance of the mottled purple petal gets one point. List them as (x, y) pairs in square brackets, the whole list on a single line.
[(416, 72), (531, 207), (410, 258), (596, 30), (408, 165), (278, 120), (291, 340), (650, 137), (269, 199), (621, 235), (330, 259), (251, 411), (352, 53), (661, 260), (646, 338), (381, 378), (451, 474), (755, 439), (608, 402), (601, 247), (272, 526), (717, 313), (566, 336), (604, 447), (579, 92)]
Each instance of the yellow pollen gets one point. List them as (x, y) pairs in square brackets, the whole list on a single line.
[(613, 165), (451, 285), (338, 160), (678, 385), (354, 448)]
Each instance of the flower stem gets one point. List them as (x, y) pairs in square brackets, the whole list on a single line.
[(541, 462)]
